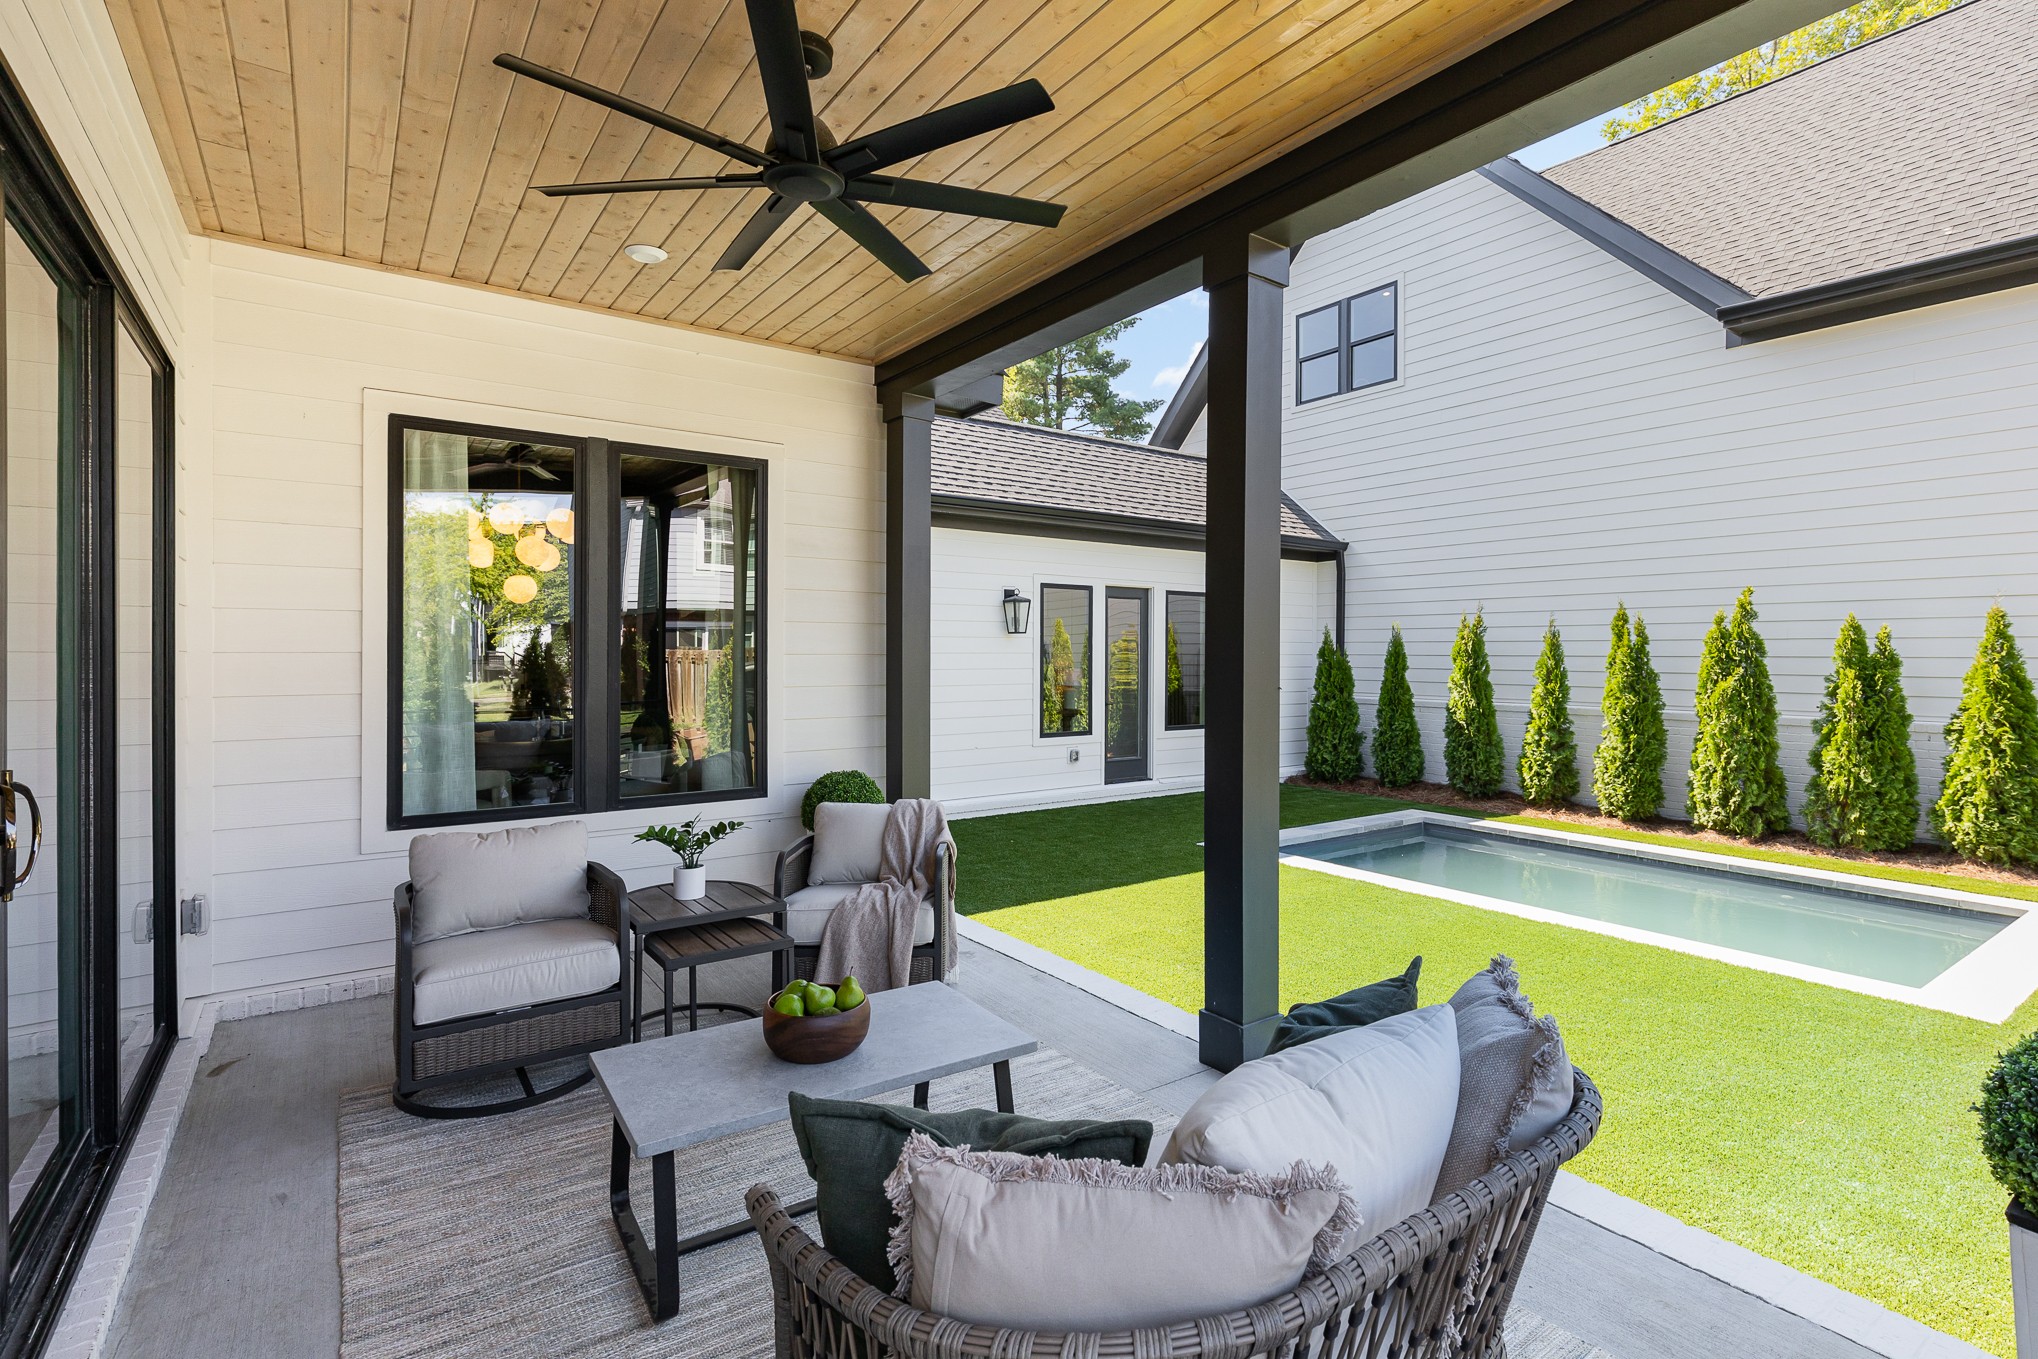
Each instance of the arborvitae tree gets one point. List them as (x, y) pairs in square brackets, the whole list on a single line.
[(1988, 804), (1893, 822), (1473, 757), (1059, 672), (1549, 750), (1335, 754), (1627, 768), (1397, 740), (1864, 788), (1736, 785)]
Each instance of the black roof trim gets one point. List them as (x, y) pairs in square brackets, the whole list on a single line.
[(1180, 417), (1944, 278), (1647, 256), (1004, 516)]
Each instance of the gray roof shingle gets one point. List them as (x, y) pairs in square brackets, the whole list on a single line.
[(1918, 144), (991, 459)]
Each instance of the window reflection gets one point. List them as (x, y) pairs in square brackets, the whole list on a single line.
[(688, 662)]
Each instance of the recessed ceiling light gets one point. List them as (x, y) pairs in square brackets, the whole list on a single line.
[(645, 254)]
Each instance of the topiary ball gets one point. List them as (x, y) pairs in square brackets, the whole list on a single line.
[(2009, 1121), (844, 785)]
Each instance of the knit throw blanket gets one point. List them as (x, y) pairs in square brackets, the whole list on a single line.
[(870, 935)]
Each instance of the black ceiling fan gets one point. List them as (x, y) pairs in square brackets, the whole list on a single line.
[(801, 161)]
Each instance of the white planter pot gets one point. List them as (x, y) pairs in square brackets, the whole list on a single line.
[(2024, 1279), (690, 884)]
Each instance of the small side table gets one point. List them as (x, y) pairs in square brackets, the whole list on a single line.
[(657, 917)]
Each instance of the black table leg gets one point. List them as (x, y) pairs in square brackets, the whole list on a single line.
[(637, 991), (654, 1260), (920, 1092), (1001, 1075)]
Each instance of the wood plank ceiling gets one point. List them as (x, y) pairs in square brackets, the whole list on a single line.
[(378, 131)]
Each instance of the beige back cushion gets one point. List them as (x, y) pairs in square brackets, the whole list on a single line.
[(467, 880), (1515, 1080), (848, 841), (1040, 1243), (1375, 1102)]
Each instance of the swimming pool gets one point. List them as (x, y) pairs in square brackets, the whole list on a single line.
[(1825, 926)]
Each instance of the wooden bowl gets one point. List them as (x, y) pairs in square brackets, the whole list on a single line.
[(812, 1039)]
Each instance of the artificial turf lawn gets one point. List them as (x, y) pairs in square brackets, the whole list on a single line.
[(1828, 1130)]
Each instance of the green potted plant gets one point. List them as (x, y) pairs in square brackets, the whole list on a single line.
[(690, 843), (2009, 1142)]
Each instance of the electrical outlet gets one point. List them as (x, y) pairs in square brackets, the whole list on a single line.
[(1075, 755)]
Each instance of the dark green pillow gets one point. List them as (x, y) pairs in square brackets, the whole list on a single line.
[(851, 1147), (1354, 1009)]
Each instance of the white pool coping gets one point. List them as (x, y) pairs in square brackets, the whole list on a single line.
[(1988, 984)]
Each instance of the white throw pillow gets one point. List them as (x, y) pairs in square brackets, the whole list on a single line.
[(1040, 1243), (849, 840), (1375, 1103), (468, 880)]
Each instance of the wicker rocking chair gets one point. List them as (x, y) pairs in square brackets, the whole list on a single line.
[(1435, 1285)]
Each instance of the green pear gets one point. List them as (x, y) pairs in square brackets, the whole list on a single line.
[(825, 1010), (848, 995), (819, 997), (789, 1003)]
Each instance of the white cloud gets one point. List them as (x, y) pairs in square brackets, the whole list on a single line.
[(1169, 378)]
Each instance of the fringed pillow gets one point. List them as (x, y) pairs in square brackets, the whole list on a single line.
[(1040, 1243), (1514, 1080)]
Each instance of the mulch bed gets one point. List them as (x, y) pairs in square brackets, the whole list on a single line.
[(1926, 858)]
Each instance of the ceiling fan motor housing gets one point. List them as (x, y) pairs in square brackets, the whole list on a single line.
[(819, 54)]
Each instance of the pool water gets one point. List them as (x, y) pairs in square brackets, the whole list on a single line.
[(1860, 933)]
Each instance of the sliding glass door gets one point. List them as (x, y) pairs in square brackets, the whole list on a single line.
[(87, 881)]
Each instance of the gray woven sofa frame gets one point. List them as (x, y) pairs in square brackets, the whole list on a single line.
[(1435, 1285), (430, 1055), (930, 961)]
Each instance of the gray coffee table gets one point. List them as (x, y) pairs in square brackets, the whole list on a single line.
[(678, 1092)]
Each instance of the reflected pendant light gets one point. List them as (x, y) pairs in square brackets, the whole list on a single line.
[(480, 553), (520, 589), (560, 521), (473, 523), (507, 517), (548, 559), (531, 549)]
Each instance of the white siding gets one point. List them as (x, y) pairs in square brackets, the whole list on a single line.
[(1197, 441), (1566, 434), (987, 746), (303, 870)]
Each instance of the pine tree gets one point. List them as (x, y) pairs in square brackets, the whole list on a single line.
[(1988, 803), (1736, 785), (1549, 749), (1069, 387), (1837, 798), (1397, 740), (1627, 767), (1058, 674), (1334, 754), (1473, 757), (1893, 820)]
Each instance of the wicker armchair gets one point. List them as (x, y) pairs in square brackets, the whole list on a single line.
[(436, 1054), (930, 960), (1435, 1285)]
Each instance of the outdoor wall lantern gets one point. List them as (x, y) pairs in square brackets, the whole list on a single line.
[(1018, 611)]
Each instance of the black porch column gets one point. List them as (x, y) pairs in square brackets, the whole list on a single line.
[(909, 568), (1242, 676)]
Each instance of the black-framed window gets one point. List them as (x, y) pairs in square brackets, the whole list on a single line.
[(574, 624), (1347, 346), (1065, 660), (1184, 706)]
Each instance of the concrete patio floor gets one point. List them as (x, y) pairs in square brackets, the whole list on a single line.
[(239, 1254)]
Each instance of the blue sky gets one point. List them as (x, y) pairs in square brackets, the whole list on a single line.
[(1165, 339)]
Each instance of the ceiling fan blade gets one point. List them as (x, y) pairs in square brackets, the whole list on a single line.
[(774, 214), (630, 108), (782, 66), (943, 127), (650, 185), (854, 221), (918, 193)]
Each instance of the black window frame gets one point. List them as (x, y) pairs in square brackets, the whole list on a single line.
[(597, 621), (1089, 593), (1347, 341), (1168, 598)]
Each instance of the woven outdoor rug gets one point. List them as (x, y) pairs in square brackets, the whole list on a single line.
[(493, 1238)]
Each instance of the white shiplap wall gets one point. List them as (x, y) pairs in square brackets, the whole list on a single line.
[(987, 748), (302, 872), (1567, 434)]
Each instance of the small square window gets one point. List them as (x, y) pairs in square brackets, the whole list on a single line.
[(1373, 362), (1316, 333), (1319, 378), (1349, 346)]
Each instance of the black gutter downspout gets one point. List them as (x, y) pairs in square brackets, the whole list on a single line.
[(1338, 562)]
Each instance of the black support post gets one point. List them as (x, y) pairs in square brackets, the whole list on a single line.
[(1242, 676), (909, 568)]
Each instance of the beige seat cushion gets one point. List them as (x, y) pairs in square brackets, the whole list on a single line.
[(1515, 1080), (1041, 1243), (807, 910), (1376, 1103), (848, 842), (484, 971), (468, 880)]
